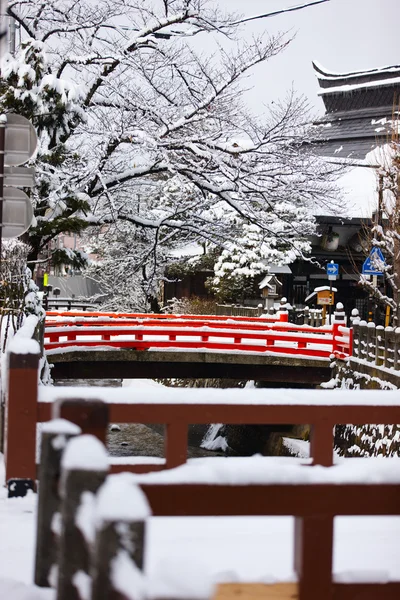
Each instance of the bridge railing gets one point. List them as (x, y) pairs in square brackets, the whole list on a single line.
[(145, 332), (277, 316), (250, 487), (376, 344)]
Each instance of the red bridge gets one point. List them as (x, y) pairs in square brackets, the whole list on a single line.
[(83, 345)]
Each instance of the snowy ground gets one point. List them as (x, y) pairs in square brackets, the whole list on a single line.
[(188, 556)]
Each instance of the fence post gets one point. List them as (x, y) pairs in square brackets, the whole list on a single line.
[(362, 339), (55, 435), (355, 349), (306, 320), (396, 358), (339, 321), (122, 510), (313, 546), (389, 343), (21, 416), (90, 415), (379, 346), (84, 468), (175, 443), (284, 313), (371, 342)]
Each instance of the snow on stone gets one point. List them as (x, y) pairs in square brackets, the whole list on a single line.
[(121, 500), (85, 453)]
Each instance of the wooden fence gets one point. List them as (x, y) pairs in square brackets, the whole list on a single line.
[(376, 344), (235, 310), (87, 519)]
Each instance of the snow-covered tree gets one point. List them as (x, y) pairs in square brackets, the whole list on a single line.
[(385, 234), (136, 126)]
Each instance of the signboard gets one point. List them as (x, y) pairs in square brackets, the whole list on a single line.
[(325, 297), (20, 140), (374, 263), (17, 213)]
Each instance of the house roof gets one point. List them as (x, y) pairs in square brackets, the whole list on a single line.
[(359, 111)]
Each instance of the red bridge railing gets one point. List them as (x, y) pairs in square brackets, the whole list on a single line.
[(143, 332)]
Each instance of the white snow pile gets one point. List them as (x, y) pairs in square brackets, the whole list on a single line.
[(85, 453), (22, 342), (261, 470), (120, 500)]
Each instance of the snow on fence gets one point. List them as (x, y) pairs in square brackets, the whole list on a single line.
[(96, 524), (235, 310), (376, 344), (210, 333)]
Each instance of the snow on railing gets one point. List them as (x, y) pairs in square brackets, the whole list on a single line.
[(95, 525), (143, 332)]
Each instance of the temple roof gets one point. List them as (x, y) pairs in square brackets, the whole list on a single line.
[(359, 110)]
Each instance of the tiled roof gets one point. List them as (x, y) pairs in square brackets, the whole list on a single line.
[(359, 113)]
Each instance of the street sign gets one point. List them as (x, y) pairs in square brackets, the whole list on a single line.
[(20, 140), (332, 269), (19, 176), (375, 262), (17, 213)]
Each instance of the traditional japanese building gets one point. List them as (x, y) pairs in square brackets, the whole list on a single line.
[(361, 111), (361, 107)]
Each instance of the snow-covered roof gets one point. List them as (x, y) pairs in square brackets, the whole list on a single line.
[(322, 288), (269, 281)]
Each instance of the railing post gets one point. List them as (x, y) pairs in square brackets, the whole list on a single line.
[(90, 415), (339, 321), (84, 469), (396, 357), (371, 342), (175, 444), (389, 343), (355, 348), (321, 447), (21, 416), (362, 339), (283, 311), (55, 436), (313, 546), (379, 345), (122, 510)]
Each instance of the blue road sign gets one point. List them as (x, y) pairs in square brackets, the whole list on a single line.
[(332, 269), (374, 264)]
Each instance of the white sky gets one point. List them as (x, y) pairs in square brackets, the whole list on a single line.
[(342, 35)]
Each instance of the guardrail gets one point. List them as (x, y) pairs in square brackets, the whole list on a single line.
[(98, 514), (211, 333)]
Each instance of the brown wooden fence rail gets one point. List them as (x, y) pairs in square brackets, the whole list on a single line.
[(24, 411), (92, 553)]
